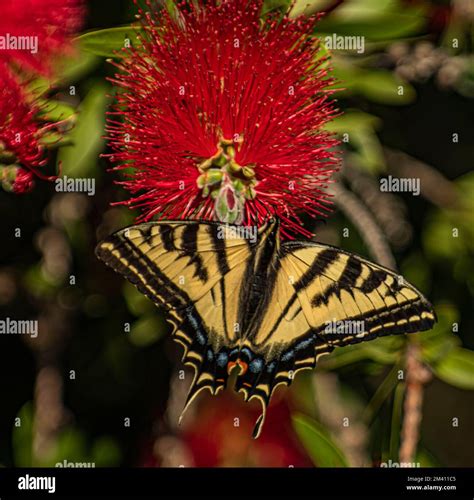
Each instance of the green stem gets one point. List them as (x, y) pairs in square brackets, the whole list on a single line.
[(396, 420), (342, 360), (381, 394)]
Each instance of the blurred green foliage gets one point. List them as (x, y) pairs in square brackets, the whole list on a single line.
[(128, 372)]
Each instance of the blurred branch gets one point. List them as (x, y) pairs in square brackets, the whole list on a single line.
[(169, 449), (334, 410), (433, 185), (54, 324), (417, 376), (355, 210), (49, 410), (381, 394), (388, 209)]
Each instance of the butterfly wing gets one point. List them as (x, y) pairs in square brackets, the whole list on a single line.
[(195, 272), (317, 292)]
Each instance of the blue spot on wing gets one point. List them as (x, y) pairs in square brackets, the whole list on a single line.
[(303, 344), (288, 355), (197, 327), (222, 359), (271, 366), (256, 366)]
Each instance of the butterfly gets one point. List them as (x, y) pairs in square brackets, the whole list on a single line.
[(240, 299)]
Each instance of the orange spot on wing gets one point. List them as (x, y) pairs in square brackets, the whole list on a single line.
[(243, 366)]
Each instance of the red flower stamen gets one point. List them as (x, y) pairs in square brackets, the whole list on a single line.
[(220, 112), (34, 31), (21, 153)]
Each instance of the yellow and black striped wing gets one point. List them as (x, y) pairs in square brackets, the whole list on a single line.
[(197, 274), (320, 298)]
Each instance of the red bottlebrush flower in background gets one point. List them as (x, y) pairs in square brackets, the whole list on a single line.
[(211, 439), (228, 445), (220, 116), (32, 31), (21, 154)]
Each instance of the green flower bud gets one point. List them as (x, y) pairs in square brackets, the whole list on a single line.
[(229, 205), (248, 172), (8, 177), (201, 181), (214, 176), (220, 161), (233, 167), (250, 193), (205, 165)]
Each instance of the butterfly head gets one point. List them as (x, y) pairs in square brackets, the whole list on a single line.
[(272, 223), (270, 229)]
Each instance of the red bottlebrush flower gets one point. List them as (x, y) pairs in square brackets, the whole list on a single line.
[(21, 154), (220, 116), (228, 445), (31, 31)]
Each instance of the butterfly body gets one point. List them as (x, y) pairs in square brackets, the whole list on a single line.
[(259, 306)]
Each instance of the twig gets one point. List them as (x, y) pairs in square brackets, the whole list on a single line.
[(352, 437), (388, 209), (49, 411), (366, 224), (434, 186), (417, 376)]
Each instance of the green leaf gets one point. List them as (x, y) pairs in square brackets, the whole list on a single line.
[(427, 459), (318, 443), (351, 121), (54, 140), (137, 303), (55, 111), (22, 437), (384, 350), (108, 42), (272, 5), (39, 86), (74, 68), (381, 394), (357, 129), (79, 159), (457, 368), (438, 240), (383, 27), (67, 70), (375, 20), (441, 339), (308, 7), (379, 86), (384, 87), (70, 446), (147, 330), (105, 452)]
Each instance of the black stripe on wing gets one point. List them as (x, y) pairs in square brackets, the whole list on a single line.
[(189, 330)]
